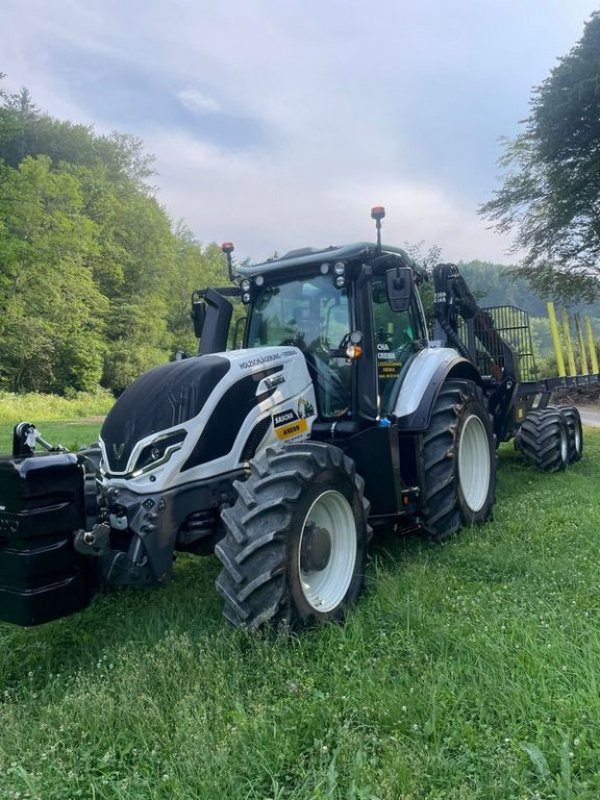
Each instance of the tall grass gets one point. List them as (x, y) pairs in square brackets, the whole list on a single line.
[(467, 671), (34, 407)]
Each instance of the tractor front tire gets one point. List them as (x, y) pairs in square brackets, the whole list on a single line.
[(459, 461), (544, 439), (295, 544)]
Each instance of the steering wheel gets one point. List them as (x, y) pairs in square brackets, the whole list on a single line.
[(299, 343)]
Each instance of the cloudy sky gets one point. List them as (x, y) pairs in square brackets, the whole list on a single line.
[(279, 123)]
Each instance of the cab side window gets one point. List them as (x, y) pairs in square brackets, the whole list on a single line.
[(395, 333)]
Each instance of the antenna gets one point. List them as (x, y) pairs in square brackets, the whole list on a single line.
[(227, 249), (378, 213)]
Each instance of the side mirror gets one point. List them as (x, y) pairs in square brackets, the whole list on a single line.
[(198, 317), (400, 284)]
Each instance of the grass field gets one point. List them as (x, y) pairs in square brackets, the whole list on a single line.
[(71, 435), (35, 407), (73, 423), (468, 670)]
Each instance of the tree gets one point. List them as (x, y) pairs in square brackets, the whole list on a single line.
[(51, 325), (550, 195), (426, 257), (95, 281)]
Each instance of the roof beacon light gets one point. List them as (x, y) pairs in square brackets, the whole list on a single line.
[(378, 213), (227, 249)]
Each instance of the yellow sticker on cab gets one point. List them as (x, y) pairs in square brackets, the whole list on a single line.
[(288, 424), (292, 429)]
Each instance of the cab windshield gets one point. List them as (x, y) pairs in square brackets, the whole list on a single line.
[(313, 315)]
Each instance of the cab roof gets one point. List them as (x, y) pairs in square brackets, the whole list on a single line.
[(308, 256)]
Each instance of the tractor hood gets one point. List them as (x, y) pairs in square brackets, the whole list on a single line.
[(160, 399), (212, 410)]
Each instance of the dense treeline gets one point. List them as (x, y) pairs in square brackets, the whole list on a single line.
[(497, 284), (95, 280)]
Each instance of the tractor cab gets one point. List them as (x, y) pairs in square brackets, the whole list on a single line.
[(353, 311)]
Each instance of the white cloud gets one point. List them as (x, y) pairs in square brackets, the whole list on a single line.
[(196, 101), (249, 198)]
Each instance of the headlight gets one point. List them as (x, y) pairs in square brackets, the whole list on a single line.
[(159, 451), (245, 285)]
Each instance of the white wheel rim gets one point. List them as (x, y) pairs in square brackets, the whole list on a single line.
[(325, 589), (474, 463), (564, 445), (577, 441)]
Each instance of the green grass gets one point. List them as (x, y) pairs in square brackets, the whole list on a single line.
[(71, 435), (72, 423), (35, 407), (467, 670)]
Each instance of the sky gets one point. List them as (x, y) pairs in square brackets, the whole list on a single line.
[(279, 123)]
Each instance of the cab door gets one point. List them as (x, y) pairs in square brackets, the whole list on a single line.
[(398, 335)]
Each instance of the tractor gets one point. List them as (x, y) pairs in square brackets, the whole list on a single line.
[(338, 415)]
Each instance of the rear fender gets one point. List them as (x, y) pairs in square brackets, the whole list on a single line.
[(422, 382)]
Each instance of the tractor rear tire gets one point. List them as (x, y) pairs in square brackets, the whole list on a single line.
[(295, 544), (459, 461), (544, 439), (573, 418)]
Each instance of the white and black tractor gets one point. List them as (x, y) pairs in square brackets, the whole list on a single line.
[(336, 416)]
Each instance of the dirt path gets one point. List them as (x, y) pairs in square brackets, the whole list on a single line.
[(590, 415)]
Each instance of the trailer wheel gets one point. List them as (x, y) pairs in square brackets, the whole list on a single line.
[(573, 419), (295, 543), (544, 439), (459, 461)]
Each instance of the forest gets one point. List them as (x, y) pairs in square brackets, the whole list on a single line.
[(95, 278)]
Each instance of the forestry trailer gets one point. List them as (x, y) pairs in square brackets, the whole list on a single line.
[(337, 416)]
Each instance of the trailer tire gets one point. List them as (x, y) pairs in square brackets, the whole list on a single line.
[(459, 461), (544, 439), (295, 543), (573, 419)]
